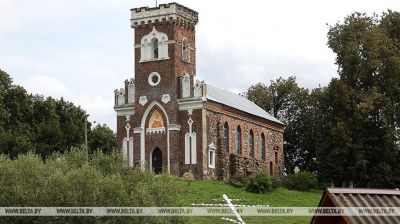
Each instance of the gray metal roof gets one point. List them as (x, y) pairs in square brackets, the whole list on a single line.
[(353, 197), (238, 102)]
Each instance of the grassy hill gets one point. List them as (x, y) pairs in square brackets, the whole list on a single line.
[(206, 192)]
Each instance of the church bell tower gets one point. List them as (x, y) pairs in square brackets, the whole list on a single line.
[(164, 48), (165, 54)]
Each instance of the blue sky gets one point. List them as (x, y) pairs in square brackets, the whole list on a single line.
[(83, 50)]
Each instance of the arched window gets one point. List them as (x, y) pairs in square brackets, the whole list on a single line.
[(226, 136), (185, 51), (262, 146), (226, 130), (154, 45), (238, 141), (251, 144), (154, 48)]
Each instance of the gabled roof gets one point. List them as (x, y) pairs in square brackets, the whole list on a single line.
[(360, 197), (238, 102)]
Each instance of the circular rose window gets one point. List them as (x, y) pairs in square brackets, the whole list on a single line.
[(154, 78)]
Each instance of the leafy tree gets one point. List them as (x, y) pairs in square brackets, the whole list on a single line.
[(102, 138), (275, 98), (5, 84), (43, 125), (295, 107), (361, 108)]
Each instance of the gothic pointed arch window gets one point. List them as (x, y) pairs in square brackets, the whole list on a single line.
[(185, 51), (251, 144), (226, 136), (262, 146), (238, 140)]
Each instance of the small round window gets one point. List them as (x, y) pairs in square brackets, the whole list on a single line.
[(154, 78)]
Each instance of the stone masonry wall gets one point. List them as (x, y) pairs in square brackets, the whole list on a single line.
[(228, 161)]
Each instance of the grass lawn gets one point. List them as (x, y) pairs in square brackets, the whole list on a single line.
[(202, 191)]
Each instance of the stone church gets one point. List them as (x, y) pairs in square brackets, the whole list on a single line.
[(168, 121)]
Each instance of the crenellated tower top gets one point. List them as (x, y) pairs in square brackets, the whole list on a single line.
[(171, 12)]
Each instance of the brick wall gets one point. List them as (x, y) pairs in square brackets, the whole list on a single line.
[(227, 165)]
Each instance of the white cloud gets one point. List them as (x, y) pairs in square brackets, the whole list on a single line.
[(99, 108), (9, 20), (48, 86), (83, 50)]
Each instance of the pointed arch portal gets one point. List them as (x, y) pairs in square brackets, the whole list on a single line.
[(143, 136)]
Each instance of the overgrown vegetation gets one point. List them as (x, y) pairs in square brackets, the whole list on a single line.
[(259, 183), (301, 181), (238, 180), (68, 180), (262, 183)]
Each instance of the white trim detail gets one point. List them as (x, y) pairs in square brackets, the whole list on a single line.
[(190, 145), (174, 127), (137, 130), (127, 145), (169, 12), (187, 148), (125, 111), (165, 98), (142, 134), (143, 100), (150, 131), (151, 42), (190, 104), (185, 50), (211, 155), (150, 79), (128, 154), (185, 86)]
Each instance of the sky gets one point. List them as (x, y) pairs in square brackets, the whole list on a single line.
[(82, 50)]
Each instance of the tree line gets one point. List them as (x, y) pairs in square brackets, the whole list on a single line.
[(33, 123), (349, 130)]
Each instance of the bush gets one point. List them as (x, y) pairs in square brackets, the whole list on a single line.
[(259, 183), (302, 181), (68, 181), (238, 180), (275, 182)]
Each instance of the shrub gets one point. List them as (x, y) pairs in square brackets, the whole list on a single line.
[(68, 180), (276, 182), (238, 180), (259, 183), (302, 181)]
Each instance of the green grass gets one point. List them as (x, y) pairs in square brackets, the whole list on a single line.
[(202, 191)]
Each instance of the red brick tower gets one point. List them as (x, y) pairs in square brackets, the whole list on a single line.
[(164, 52)]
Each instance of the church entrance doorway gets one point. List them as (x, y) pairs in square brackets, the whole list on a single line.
[(156, 161)]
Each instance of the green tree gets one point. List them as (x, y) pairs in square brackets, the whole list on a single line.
[(102, 138), (361, 108), (275, 98), (43, 125), (297, 108), (5, 84)]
